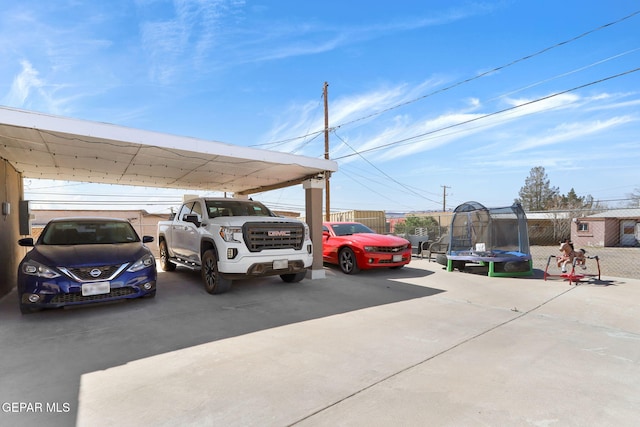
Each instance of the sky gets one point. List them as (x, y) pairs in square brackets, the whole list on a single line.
[(430, 103)]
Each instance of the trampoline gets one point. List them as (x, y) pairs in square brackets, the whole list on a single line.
[(497, 237)]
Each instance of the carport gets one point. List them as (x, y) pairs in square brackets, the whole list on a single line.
[(42, 146)]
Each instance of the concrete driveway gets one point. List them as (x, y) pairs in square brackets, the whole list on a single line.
[(417, 346)]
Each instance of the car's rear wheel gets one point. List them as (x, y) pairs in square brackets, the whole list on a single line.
[(293, 277), (214, 283), (347, 261), (165, 263)]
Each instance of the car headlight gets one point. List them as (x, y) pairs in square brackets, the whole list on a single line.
[(369, 248), (144, 262), (34, 268), (227, 233), (307, 234)]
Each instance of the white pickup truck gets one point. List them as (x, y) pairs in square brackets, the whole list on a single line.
[(230, 239)]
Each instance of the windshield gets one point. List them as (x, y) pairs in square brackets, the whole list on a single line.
[(88, 233), (350, 228), (216, 208)]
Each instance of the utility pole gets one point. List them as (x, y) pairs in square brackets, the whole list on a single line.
[(444, 197), (327, 213)]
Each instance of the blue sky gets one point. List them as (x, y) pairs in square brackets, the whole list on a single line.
[(467, 95)]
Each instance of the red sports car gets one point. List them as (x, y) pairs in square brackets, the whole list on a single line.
[(354, 247)]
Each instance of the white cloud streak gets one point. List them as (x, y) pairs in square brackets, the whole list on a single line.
[(22, 86)]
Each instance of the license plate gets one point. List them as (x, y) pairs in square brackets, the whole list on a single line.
[(280, 264), (96, 288), (397, 258)]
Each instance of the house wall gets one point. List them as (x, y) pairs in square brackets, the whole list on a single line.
[(602, 232), (594, 236), (548, 232), (10, 253), (612, 232)]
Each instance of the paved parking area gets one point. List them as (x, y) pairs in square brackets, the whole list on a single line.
[(417, 346)]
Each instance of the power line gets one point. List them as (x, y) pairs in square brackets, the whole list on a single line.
[(383, 172), (384, 196), (464, 81), (499, 68), (475, 119)]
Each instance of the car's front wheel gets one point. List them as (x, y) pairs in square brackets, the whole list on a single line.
[(347, 261), (214, 283), (151, 294), (26, 309), (293, 277)]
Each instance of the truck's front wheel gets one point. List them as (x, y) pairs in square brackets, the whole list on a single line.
[(293, 277), (214, 283), (165, 263)]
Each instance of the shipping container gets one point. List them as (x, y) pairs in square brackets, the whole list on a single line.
[(375, 220)]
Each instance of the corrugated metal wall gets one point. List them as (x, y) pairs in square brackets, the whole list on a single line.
[(375, 220)]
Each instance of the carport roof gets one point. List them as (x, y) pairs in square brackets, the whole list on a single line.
[(52, 147)]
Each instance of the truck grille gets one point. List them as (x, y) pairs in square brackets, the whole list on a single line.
[(273, 235)]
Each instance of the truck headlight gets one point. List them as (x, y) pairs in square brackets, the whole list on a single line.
[(307, 234), (228, 234)]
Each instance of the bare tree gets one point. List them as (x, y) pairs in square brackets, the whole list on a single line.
[(634, 198)]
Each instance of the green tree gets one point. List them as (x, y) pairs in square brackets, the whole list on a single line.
[(409, 225), (537, 193), (572, 201)]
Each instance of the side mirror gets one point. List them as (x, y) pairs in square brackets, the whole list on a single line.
[(325, 234), (27, 241), (192, 218), (147, 239)]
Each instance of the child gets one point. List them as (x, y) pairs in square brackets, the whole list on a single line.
[(566, 254)]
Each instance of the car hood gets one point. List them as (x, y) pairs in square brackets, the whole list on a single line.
[(84, 255), (377, 239)]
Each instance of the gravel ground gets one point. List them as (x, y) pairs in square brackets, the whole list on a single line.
[(614, 262)]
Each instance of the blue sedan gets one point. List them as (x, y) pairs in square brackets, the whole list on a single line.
[(85, 260)]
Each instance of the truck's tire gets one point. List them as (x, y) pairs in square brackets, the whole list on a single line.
[(347, 261), (214, 283), (293, 277), (165, 263)]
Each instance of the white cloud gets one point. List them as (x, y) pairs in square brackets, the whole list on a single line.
[(384, 137), (566, 132), (186, 38), (22, 86)]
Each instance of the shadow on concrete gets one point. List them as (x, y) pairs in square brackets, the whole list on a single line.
[(44, 354)]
